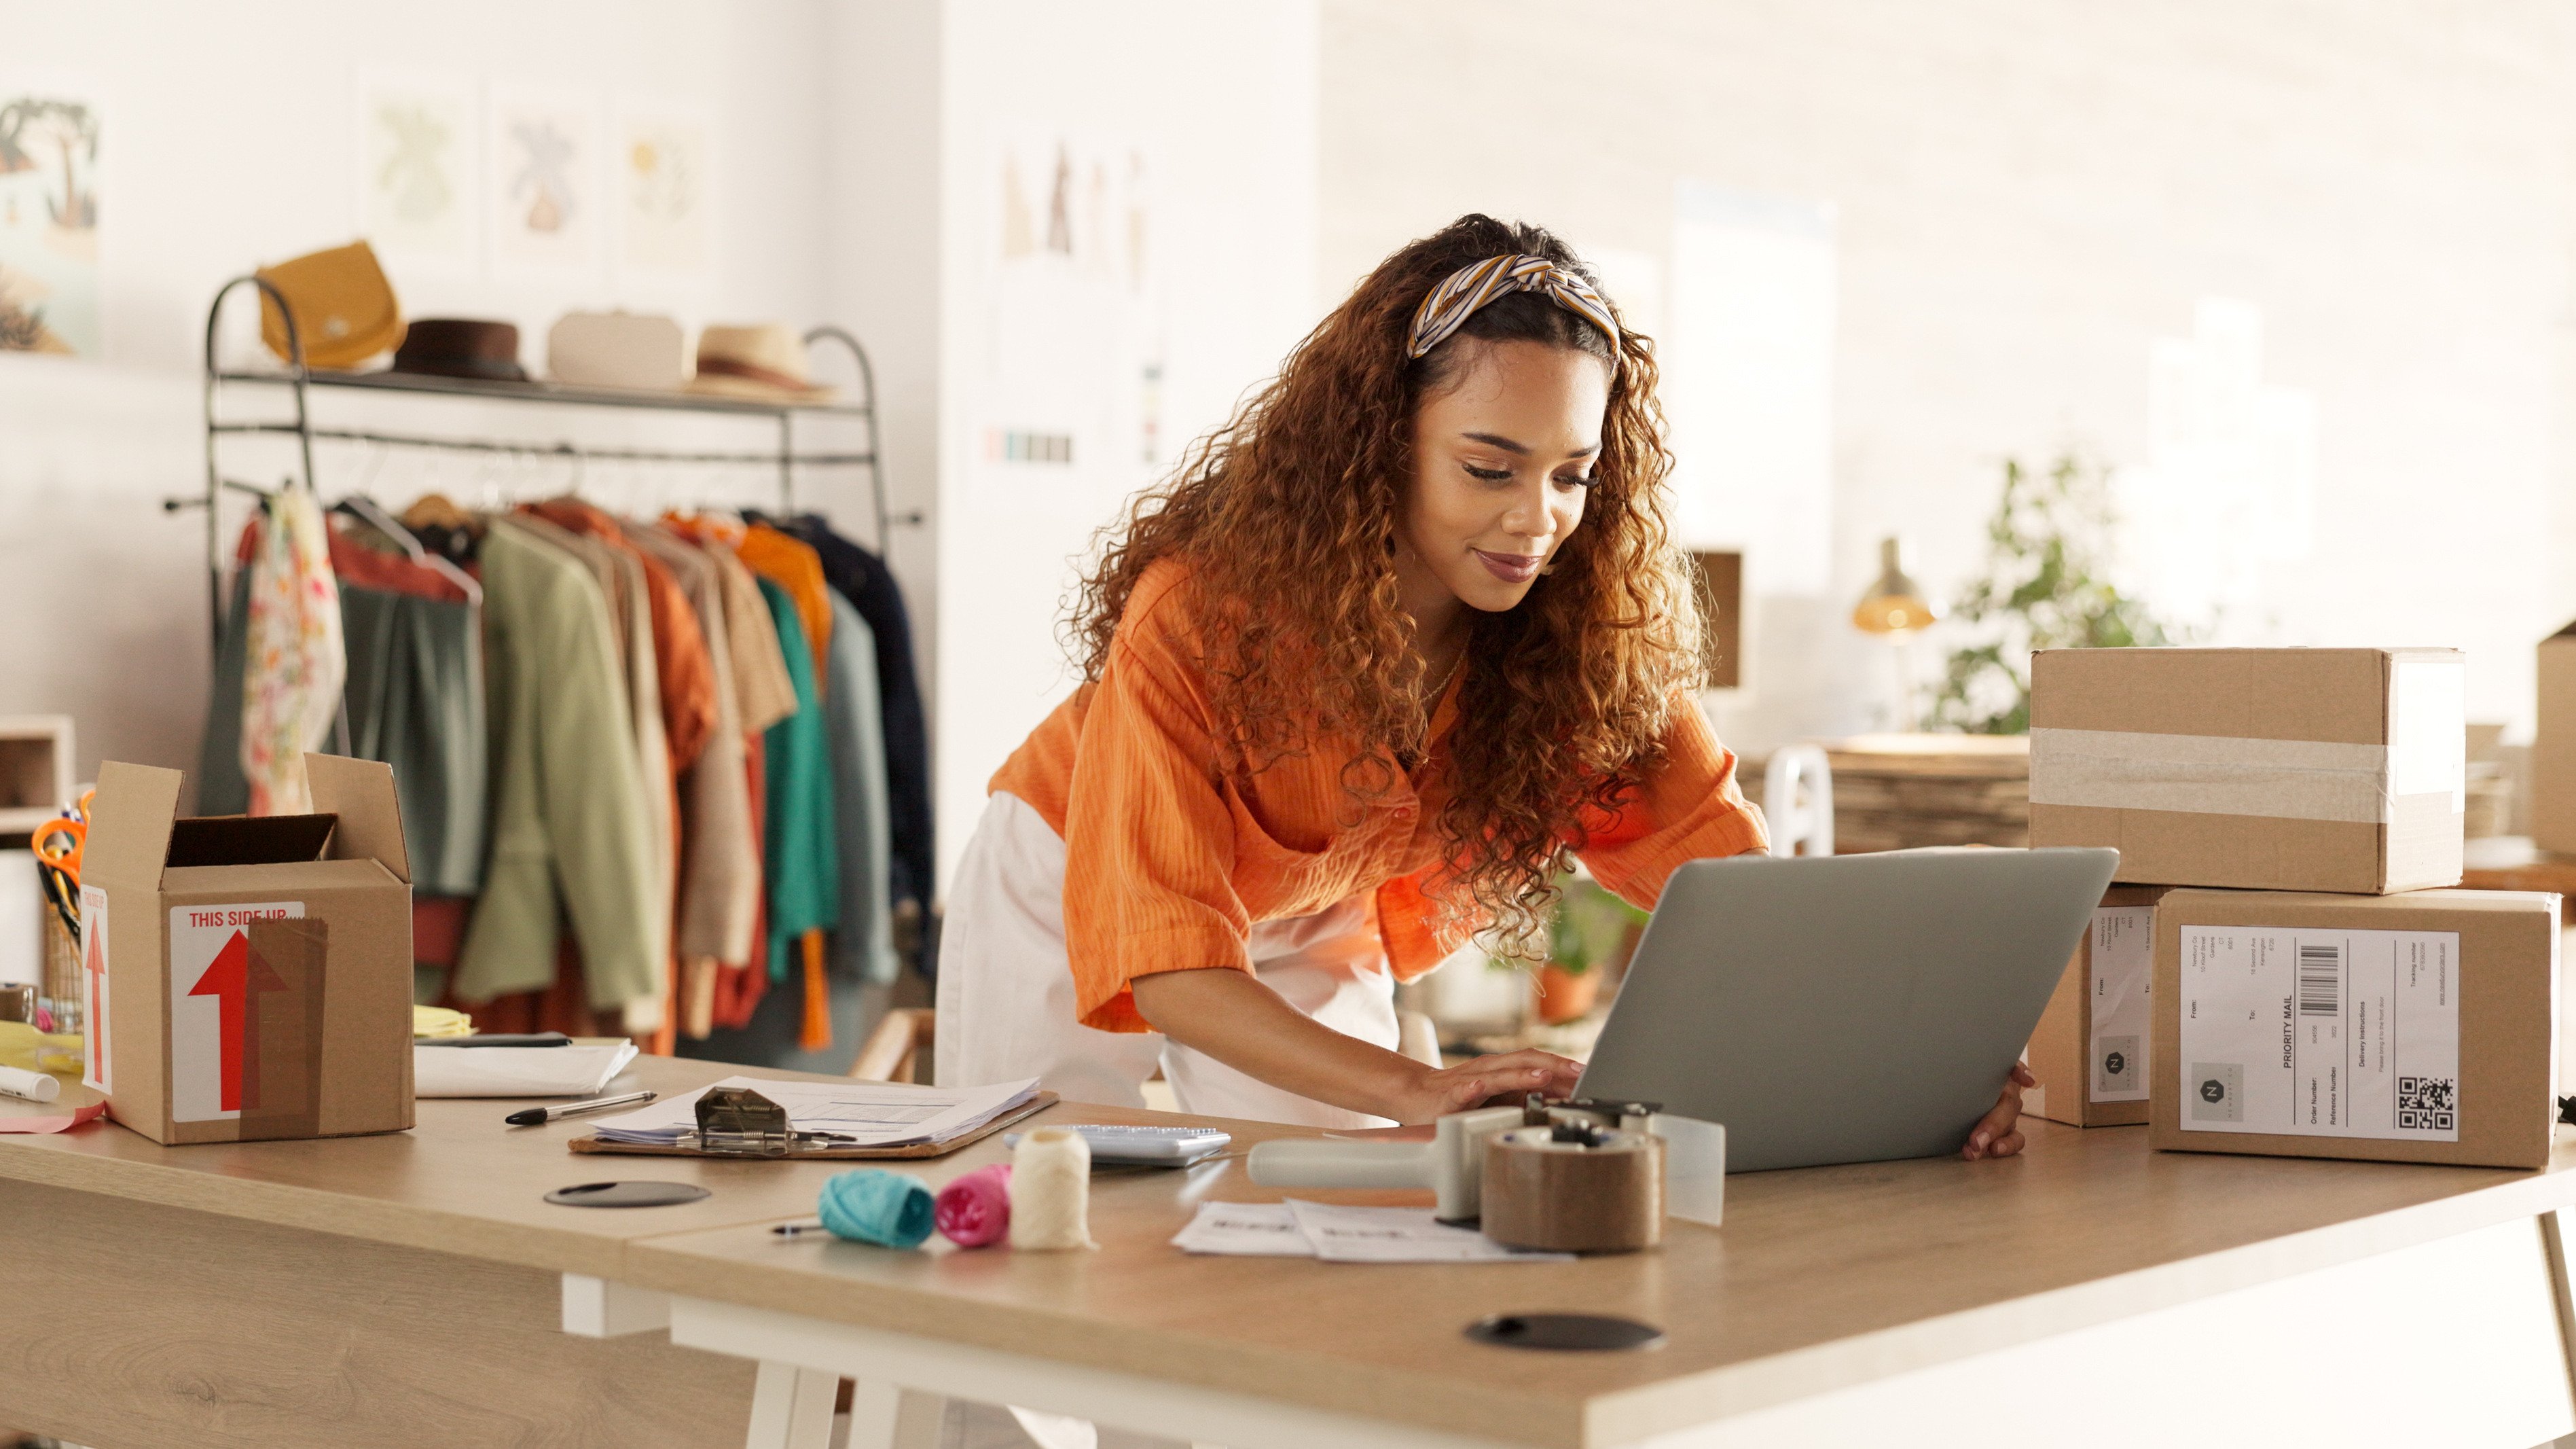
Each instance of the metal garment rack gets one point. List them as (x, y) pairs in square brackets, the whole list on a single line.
[(301, 380)]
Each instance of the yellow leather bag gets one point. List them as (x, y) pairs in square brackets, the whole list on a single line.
[(344, 308)]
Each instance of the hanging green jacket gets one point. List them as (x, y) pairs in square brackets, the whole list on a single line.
[(799, 852), (568, 788)]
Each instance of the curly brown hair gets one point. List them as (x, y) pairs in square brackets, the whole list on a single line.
[(1286, 519)]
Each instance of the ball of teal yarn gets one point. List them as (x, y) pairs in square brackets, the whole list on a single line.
[(889, 1209)]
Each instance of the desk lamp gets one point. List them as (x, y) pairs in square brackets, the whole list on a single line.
[(1895, 609)]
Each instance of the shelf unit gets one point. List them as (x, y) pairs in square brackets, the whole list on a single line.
[(302, 381)]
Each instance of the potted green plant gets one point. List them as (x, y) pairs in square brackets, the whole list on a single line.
[(2043, 588), (1591, 927)]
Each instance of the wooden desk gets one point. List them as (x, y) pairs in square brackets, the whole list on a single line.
[(2089, 1290), (406, 1289), (412, 1289)]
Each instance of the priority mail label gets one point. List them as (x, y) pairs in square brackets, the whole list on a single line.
[(213, 979), (2321, 1033), (2124, 958)]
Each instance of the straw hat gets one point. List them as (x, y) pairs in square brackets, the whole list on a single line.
[(762, 362)]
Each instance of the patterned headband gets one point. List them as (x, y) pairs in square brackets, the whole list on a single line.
[(1455, 300)]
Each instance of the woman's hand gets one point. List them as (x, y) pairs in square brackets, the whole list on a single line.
[(1995, 1134), (1232, 1017), (1437, 1091)]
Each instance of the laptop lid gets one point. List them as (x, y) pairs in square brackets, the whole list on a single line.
[(1848, 1008)]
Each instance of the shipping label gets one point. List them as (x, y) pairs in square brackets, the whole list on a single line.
[(97, 1071), (213, 1020), (2317, 1032), (2124, 958)]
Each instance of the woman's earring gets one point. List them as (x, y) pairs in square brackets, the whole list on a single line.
[(1546, 569)]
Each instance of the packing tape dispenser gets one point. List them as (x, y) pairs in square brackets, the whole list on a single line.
[(1452, 1163)]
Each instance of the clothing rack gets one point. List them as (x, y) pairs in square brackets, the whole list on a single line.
[(301, 380)]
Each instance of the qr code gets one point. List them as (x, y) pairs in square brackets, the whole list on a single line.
[(2428, 1104)]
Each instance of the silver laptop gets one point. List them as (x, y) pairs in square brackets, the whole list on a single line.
[(1847, 1008)]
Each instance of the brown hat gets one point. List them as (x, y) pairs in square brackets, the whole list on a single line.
[(762, 362), (344, 308), (462, 347)]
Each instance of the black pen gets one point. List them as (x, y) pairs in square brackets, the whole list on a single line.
[(535, 1116)]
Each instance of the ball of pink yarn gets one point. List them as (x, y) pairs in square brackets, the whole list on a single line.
[(975, 1210)]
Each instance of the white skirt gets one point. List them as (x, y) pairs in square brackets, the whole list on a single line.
[(1006, 995)]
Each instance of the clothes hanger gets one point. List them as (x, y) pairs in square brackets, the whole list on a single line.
[(363, 508)]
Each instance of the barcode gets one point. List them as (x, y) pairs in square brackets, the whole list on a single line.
[(2321, 980), (2428, 1104)]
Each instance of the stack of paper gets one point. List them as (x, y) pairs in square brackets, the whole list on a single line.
[(507, 1071), (1295, 1229), (850, 1114)]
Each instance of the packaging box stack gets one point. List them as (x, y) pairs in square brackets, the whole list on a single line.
[(2314, 989)]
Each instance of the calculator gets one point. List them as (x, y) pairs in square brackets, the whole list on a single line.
[(1151, 1146)]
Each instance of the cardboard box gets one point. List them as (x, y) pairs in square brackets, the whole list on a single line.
[(2258, 769), (2092, 1049), (2553, 747), (251, 977), (2409, 1028)]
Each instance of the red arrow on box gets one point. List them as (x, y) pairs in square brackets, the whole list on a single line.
[(232, 978)]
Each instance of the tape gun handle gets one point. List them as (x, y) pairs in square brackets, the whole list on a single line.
[(1339, 1162)]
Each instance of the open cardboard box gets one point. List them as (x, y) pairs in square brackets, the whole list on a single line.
[(250, 977)]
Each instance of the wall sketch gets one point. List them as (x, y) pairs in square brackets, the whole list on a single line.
[(665, 165), (416, 170), (544, 187), (1069, 403), (49, 184)]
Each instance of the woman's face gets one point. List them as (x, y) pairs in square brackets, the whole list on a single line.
[(1501, 462)]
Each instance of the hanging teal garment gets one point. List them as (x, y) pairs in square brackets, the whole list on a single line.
[(800, 850)]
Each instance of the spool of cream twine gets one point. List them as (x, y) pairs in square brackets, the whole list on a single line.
[(1051, 1191)]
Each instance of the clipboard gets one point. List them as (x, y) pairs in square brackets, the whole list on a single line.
[(791, 1151)]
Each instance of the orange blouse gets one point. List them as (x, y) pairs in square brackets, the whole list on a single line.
[(1171, 858)]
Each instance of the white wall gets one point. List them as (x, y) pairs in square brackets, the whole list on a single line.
[(228, 141), (855, 145), (2028, 194), (1221, 99)]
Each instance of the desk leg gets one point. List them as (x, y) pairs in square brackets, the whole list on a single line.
[(791, 1408), (2562, 1274)]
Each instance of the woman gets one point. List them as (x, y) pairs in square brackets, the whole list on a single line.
[(1386, 650)]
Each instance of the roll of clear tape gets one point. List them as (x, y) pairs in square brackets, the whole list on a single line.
[(1574, 1190), (1051, 1191)]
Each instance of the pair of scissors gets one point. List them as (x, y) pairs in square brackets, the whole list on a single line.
[(58, 844)]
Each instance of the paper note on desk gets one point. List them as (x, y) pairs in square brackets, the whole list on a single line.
[(1245, 1230), (563, 1071), (1401, 1235), (856, 1114), (1295, 1229)]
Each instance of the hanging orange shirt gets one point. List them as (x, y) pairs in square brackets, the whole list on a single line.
[(1170, 858), (793, 565)]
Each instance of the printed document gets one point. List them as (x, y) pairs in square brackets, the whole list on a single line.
[(856, 1114), (1295, 1229)]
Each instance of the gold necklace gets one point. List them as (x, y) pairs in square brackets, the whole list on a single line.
[(1433, 697)]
